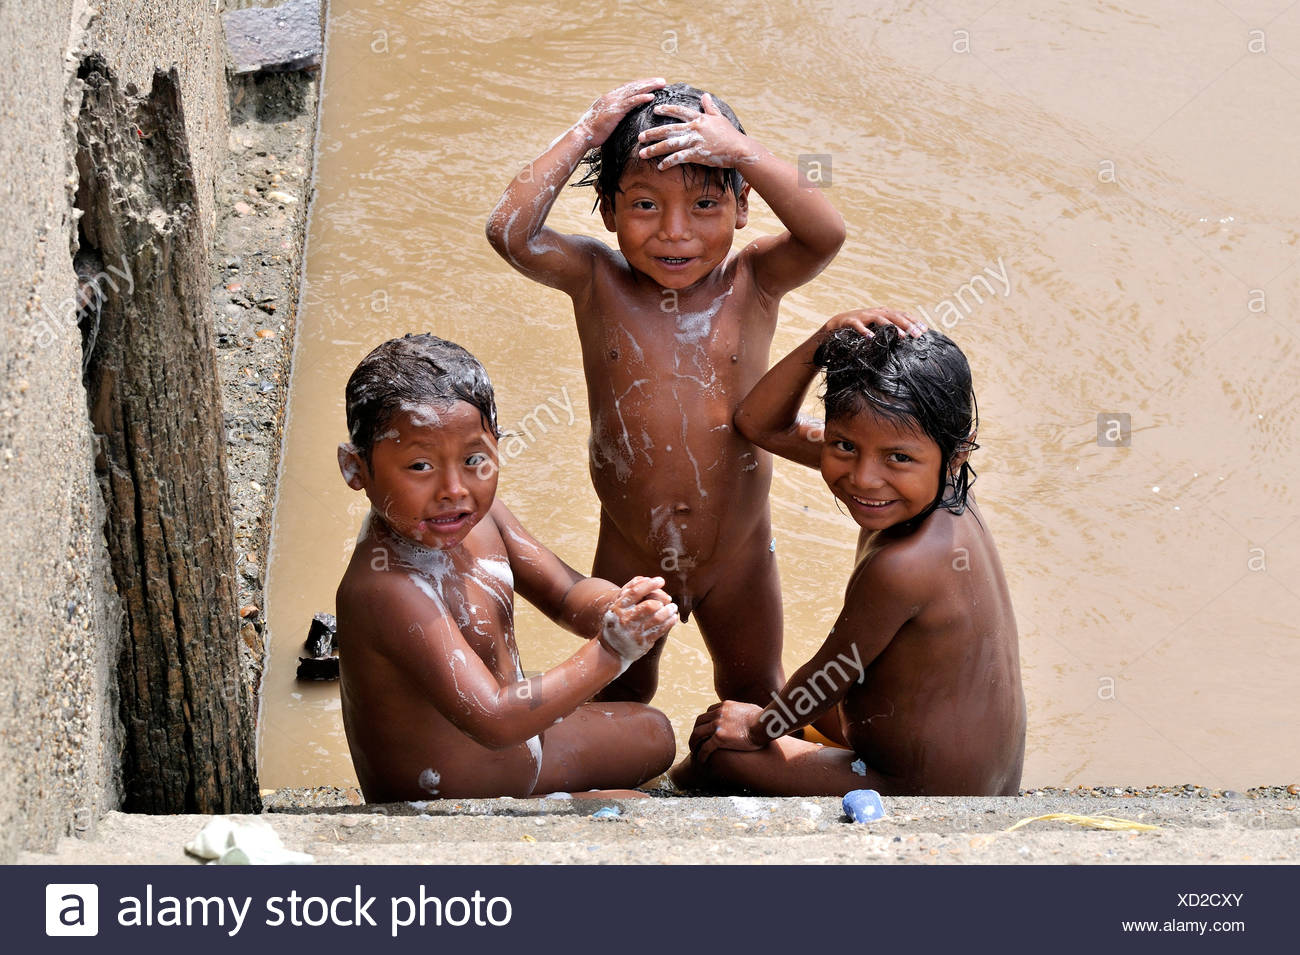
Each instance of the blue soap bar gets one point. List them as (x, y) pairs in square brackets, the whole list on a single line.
[(607, 812), (864, 805)]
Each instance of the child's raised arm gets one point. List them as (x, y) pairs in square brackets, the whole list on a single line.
[(517, 226), (815, 230), (769, 415)]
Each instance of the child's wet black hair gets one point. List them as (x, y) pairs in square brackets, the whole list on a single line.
[(413, 370), (605, 166), (922, 383)]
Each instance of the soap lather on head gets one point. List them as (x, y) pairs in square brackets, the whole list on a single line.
[(620, 153), (418, 374)]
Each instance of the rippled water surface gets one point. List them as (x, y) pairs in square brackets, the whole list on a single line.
[(1129, 166)]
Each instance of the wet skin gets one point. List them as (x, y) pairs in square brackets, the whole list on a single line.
[(434, 700), (675, 328), (920, 675)]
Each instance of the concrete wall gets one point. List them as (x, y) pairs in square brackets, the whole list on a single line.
[(58, 613)]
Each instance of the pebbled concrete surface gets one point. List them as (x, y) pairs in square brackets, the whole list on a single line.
[(730, 830)]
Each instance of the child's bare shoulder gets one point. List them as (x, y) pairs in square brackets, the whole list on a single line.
[(907, 568), (385, 598)]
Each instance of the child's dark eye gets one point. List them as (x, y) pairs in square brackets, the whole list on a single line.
[(421, 466), (845, 447), (706, 204), (643, 204), (898, 457), (474, 460)]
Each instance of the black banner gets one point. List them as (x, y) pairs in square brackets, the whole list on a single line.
[(195, 909)]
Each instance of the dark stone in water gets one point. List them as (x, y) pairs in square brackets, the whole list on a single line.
[(277, 39), (323, 664), (323, 668), (320, 637)]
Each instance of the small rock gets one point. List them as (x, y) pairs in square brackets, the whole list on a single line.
[(265, 333), (248, 610), (243, 208), (279, 39), (282, 197), (232, 263), (1294, 789)]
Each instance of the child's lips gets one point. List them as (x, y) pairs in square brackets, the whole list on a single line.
[(674, 262), (872, 505), (446, 523)]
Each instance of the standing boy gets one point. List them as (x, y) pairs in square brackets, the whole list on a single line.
[(675, 329)]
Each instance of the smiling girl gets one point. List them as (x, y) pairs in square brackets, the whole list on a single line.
[(920, 676)]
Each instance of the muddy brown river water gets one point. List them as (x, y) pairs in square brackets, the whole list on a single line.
[(1123, 175)]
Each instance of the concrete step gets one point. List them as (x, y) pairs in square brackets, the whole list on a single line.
[(723, 830)]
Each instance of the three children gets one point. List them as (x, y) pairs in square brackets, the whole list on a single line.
[(675, 330)]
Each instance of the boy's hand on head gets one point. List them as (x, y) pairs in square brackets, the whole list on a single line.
[(726, 725), (608, 111), (640, 616), (860, 320), (706, 138)]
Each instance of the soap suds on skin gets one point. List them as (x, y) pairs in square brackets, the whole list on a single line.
[(422, 415), (498, 568), (693, 327), (348, 463)]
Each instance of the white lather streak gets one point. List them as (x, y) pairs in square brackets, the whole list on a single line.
[(619, 639)]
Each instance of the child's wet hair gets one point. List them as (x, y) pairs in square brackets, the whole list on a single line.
[(920, 383), (410, 371), (605, 166)]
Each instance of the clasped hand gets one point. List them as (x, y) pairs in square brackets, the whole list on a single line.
[(726, 725)]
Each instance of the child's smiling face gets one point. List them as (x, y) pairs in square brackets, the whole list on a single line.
[(674, 226), (433, 474), (884, 472)]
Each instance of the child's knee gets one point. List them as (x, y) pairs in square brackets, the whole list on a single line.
[(656, 732)]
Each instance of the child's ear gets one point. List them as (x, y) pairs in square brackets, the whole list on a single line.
[(742, 207), (962, 456), (351, 466), (607, 212)]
